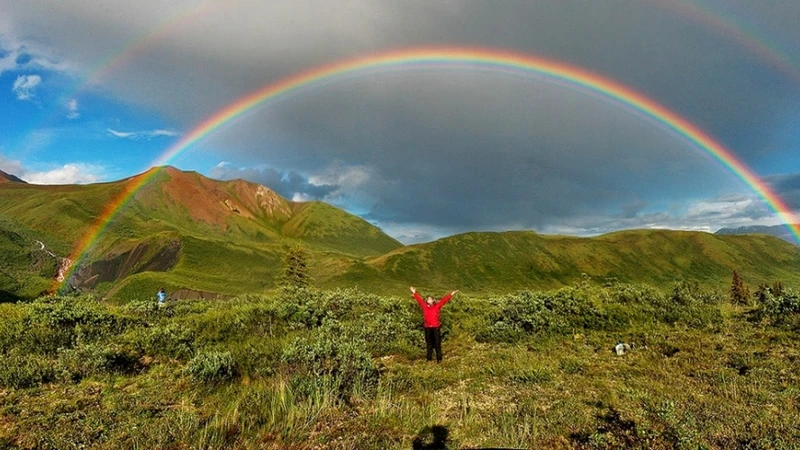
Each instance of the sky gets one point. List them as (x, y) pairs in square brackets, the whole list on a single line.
[(94, 91)]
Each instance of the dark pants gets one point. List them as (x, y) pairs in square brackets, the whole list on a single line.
[(433, 339)]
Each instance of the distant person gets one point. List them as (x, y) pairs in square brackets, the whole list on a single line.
[(430, 312), (162, 296)]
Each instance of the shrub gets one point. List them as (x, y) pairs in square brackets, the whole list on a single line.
[(528, 313), (173, 340), (210, 366), (331, 353), (306, 307), (24, 371), (776, 309), (60, 322), (90, 359), (143, 308)]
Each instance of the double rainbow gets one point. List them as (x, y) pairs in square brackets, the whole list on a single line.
[(466, 58)]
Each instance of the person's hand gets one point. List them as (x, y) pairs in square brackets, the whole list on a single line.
[(413, 291)]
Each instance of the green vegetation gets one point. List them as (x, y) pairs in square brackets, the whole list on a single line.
[(344, 369), (26, 270), (529, 358), (188, 233)]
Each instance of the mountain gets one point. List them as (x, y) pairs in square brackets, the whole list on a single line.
[(508, 261), (201, 237), (779, 231), (181, 229), (7, 177)]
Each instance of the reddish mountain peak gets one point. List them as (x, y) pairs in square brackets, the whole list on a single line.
[(8, 178), (212, 201)]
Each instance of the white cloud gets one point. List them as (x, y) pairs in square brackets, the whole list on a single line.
[(71, 173), (144, 134), (301, 197), (343, 176), (10, 166), (72, 109), (25, 86), (77, 173)]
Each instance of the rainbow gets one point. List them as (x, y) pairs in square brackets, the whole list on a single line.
[(468, 58)]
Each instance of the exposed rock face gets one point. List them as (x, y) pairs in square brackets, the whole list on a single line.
[(119, 266), (272, 203)]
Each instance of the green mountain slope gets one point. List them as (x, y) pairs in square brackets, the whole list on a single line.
[(508, 261), (186, 232), (183, 230), (26, 266)]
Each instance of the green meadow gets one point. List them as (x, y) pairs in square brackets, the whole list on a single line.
[(244, 356), (301, 367)]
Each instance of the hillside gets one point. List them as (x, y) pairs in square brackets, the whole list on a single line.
[(184, 230), (26, 266), (497, 262), (199, 236)]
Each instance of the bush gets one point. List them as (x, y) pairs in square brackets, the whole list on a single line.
[(92, 359), (776, 309), (305, 307), (528, 313), (210, 366), (52, 323), (172, 340), (143, 308), (24, 371), (332, 354)]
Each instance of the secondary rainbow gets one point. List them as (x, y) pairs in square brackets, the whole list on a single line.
[(461, 58)]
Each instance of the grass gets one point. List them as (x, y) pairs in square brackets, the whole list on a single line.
[(346, 370)]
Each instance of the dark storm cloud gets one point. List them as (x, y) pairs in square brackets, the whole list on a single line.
[(459, 149), (288, 184), (787, 187), (479, 151)]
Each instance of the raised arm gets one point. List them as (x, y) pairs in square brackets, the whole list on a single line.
[(418, 297), (446, 298)]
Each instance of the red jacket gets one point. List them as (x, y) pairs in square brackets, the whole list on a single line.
[(431, 313)]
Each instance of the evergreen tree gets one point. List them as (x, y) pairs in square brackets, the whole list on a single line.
[(740, 294), (295, 271)]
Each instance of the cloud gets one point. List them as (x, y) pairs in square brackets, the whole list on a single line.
[(142, 135), (25, 86), (437, 147), (20, 55), (72, 109), (291, 185), (73, 173), (66, 174), (10, 166), (787, 187)]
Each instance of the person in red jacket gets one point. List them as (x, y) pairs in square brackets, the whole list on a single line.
[(430, 312)]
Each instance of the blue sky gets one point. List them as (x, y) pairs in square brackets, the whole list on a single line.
[(422, 154)]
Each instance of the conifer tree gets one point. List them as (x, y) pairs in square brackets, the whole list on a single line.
[(295, 271), (740, 294)]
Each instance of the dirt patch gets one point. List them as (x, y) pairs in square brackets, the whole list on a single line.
[(135, 260)]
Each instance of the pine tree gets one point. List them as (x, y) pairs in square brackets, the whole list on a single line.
[(295, 271), (740, 294)]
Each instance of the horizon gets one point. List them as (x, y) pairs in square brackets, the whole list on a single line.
[(410, 124), (165, 167)]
